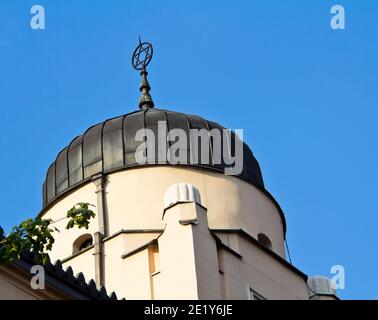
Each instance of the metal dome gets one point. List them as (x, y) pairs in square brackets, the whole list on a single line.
[(110, 146)]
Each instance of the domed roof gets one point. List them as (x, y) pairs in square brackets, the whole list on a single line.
[(111, 146)]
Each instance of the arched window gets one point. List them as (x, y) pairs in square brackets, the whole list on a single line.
[(264, 240), (81, 243)]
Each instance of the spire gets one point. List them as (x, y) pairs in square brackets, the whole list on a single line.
[(145, 100), (141, 58)]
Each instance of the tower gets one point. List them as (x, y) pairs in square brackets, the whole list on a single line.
[(168, 226)]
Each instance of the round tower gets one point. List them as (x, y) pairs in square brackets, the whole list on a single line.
[(169, 226)]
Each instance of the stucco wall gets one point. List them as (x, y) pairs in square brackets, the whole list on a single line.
[(63, 246), (134, 200), (260, 271)]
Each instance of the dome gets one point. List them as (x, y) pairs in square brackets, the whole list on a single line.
[(111, 146)]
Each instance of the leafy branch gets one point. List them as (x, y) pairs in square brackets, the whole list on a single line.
[(35, 235), (80, 215)]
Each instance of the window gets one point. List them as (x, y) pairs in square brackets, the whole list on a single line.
[(253, 295), (87, 243), (264, 240), (82, 242)]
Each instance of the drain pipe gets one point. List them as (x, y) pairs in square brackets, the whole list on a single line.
[(100, 181)]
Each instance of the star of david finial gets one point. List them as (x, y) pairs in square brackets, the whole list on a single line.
[(141, 58), (142, 55)]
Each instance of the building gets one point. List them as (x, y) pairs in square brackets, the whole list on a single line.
[(58, 284), (171, 231)]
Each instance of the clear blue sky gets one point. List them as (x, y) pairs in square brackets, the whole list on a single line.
[(305, 95)]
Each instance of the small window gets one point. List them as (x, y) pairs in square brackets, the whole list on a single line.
[(253, 295), (87, 243), (264, 240), (81, 243)]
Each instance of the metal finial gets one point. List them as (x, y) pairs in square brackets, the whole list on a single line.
[(141, 58)]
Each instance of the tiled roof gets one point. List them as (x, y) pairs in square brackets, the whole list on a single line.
[(65, 281), (66, 277)]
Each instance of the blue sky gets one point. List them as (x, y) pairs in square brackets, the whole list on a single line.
[(305, 95)]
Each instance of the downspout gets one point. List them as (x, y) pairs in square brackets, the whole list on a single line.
[(100, 181)]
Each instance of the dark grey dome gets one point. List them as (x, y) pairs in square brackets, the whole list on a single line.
[(110, 146)]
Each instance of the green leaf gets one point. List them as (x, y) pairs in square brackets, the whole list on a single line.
[(79, 215), (35, 235)]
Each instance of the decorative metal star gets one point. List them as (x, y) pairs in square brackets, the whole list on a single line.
[(142, 55)]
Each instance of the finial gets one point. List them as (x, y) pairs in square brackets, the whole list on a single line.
[(141, 58)]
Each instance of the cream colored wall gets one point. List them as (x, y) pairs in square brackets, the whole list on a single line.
[(189, 264), (84, 263), (205, 248), (136, 276), (178, 278), (128, 277), (262, 272), (65, 238), (135, 201)]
